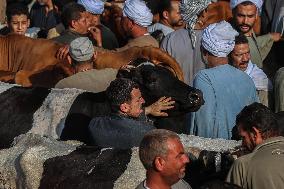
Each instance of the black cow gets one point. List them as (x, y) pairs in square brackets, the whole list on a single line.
[(19, 104), (154, 82)]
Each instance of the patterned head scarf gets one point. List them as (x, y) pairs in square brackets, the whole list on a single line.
[(137, 11), (219, 38), (258, 3), (190, 9), (93, 6)]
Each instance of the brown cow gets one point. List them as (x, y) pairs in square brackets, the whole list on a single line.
[(32, 62)]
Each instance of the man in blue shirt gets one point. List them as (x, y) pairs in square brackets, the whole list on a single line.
[(226, 90)]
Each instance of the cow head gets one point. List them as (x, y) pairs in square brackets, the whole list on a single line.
[(157, 81)]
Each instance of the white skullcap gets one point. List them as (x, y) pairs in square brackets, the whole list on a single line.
[(138, 11), (93, 6), (81, 49), (219, 38), (258, 3)]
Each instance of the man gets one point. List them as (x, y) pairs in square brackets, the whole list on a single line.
[(170, 17), (226, 90), (164, 159), (94, 10), (184, 44), (18, 21), (75, 20), (136, 18), (43, 15), (128, 122), (240, 58), (81, 57), (263, 167), (279, 90), (245, 13)]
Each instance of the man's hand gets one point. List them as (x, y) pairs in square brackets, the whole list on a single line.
[(62, 53), (96, 34), (156, 109), (275, 36)]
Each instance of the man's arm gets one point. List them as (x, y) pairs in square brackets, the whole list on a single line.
[(237, 174), (203, 121)]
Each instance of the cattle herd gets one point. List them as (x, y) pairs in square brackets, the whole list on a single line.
[(44, 138)]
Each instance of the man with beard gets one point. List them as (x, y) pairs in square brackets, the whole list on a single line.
[(263, 167), (170, 17), (164, 159), (184, 44), (240, 58), (226, 90), (245, 13)]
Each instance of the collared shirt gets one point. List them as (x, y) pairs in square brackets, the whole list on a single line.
[(261, 169)]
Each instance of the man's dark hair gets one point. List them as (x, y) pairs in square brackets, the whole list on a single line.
[(61, 3), (280, 122), (119, 92), (164, 5), (71, 12), (16, 9), (259, 116), (241, 39)]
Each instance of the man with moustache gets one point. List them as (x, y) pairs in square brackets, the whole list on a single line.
[(226, 90), (240, 58), (170, 17), (162, 154), (245, 13), (263, 167)]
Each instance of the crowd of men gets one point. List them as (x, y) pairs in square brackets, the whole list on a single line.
[(222, 59)]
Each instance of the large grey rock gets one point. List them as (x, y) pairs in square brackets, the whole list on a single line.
[(21, 166)]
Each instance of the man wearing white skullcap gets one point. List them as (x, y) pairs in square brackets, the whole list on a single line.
[(226, 90), (136, 18), (245, 13), (95, 9)]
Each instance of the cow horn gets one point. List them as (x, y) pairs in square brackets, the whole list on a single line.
[(116, 59), (160, 57)]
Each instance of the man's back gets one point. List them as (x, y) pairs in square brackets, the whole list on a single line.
[(118, 131), (226, 90), (261, 169), (178, 44)]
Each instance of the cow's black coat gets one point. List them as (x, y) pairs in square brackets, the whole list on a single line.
[(85, 168), (18, 105)]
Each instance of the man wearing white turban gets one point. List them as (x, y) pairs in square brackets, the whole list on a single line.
[(226, 90), (245, 13), (136, 18)]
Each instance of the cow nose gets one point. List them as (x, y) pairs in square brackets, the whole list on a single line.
[(195, 97)]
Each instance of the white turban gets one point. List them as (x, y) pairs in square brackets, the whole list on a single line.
[(93, 6), (219, 38), (137, 11), (258, 3)]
